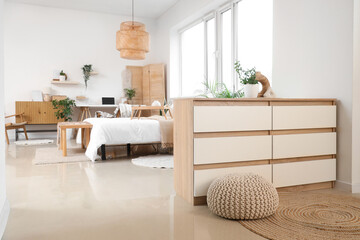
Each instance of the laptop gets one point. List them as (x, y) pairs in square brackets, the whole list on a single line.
[(108, 100)]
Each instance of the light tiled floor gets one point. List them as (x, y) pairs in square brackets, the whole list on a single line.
[(106, 200)]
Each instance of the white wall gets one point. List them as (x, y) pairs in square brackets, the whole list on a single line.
[(4, 206), (313, 57), (356, 101), (167, 43), (40, 39)]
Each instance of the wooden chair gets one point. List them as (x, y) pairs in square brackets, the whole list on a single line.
[(10, 126)]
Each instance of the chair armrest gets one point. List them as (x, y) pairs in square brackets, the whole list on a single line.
[(14, 115)]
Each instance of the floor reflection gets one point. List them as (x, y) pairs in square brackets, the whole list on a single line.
[(107, 200)]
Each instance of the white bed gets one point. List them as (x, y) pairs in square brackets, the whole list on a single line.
[(118, 131)]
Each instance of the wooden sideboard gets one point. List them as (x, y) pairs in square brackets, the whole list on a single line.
[(37, 112), (290, 142)]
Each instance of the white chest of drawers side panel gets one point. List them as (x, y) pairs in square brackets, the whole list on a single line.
[(231, 118)]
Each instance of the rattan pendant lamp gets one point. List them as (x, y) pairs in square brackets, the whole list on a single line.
[(132, 40)]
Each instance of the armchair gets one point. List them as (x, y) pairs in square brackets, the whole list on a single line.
[(10, 126)]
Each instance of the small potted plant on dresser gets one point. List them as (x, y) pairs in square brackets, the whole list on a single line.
[(130, 94), (248, 79)]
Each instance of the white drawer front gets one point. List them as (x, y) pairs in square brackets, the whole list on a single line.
[(302, 145), (231, 118), (231, 149), (203, 178), (302, 117), (298, 173)]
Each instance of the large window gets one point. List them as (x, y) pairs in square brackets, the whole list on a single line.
[(192, 60), (210, 50), (226, 55), (237, 31)]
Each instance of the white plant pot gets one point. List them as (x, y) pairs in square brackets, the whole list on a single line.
[(251, 90), (62, 78)]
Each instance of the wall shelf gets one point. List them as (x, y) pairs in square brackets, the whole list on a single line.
[(65, 83)]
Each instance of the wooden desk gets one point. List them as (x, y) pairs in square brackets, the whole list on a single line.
[(144, 108), (85, 110), (69, 125)]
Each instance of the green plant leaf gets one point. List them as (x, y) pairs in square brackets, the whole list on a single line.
[(64, 108)]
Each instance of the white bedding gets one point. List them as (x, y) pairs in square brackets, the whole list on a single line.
[(120, 131)]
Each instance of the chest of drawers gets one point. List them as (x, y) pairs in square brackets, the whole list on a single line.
[(290, 142)]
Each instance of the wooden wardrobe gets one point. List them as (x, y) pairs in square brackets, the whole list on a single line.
[(149, 83)]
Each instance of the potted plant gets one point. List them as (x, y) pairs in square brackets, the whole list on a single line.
[(219, 90), (62, 76), (87, 69), (130, 93), (248, 79), (64, 108)]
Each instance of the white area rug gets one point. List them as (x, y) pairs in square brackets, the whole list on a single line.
[(155, 161), (54, 156), (34, 142)]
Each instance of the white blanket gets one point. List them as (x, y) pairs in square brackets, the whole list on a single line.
[(120, 131)]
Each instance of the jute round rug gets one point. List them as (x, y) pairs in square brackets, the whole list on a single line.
[(309, 215)]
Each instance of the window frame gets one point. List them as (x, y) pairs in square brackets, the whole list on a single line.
[(216, 15)]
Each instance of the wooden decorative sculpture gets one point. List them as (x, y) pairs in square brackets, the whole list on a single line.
[(266, 90)]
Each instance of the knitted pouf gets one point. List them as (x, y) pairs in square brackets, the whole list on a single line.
[(246, 196)]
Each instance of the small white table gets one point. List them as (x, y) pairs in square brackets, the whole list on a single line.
[(85, 110)]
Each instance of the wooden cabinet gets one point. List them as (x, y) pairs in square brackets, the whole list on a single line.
[(37, 112), (149, 83), (290, 142)]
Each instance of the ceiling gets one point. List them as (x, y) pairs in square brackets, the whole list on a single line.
[(143, 8)]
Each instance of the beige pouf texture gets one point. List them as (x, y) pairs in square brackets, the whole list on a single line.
[(242, 196)]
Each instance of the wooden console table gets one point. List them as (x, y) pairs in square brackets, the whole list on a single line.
[(36, 113), (138, 110)]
